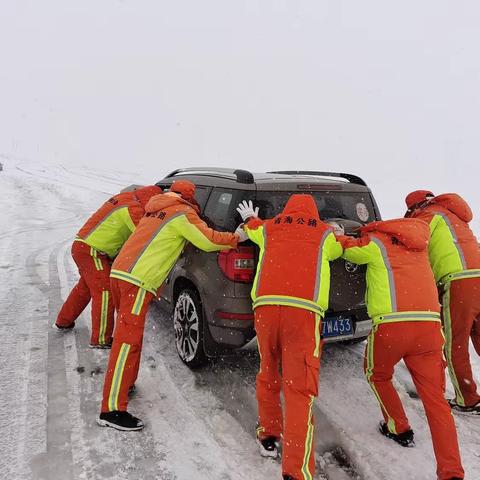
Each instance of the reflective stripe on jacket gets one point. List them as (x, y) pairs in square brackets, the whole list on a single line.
[(453, 248), (150, 253), (400, 282), (295, 250)]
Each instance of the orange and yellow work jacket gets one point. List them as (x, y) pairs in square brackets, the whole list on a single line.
[(400, 282), (295, 250), (453, 249), (111, 225), (150, 253)]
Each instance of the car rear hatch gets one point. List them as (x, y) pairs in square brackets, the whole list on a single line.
[(351, 208)]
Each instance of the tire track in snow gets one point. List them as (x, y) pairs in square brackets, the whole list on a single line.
[(63, 223), (34, 407), (58, 428), (23, 354), (63, 182)]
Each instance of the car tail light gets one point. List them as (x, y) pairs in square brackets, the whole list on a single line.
[(238, 265)]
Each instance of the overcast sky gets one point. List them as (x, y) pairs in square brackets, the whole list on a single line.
[(388, 90)]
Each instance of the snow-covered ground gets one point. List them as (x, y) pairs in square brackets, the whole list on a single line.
[(200, 425)]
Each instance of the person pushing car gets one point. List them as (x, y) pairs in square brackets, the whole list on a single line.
[(403, 303), (455, 259), (171, 219), (93, 250), (290, 295)]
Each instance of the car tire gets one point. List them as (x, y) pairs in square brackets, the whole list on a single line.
[(188, 327)]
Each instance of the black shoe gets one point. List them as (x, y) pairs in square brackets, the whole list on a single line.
[(404, 439), (100, 346), (120, 420), (59, 328), (268, 447), (288, 477), (473, 410)]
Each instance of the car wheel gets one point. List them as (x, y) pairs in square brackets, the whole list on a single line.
[(188, 325)]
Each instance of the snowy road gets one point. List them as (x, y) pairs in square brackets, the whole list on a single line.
[(199, 424)]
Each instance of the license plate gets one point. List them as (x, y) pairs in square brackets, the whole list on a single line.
[(336, 327)]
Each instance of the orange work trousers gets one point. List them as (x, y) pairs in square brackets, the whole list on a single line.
[(94, 285), (461, 322), (289, 341), (131, 303), (420, 345)]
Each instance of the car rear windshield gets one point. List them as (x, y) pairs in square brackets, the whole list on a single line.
[(221, 214), (347, 205)]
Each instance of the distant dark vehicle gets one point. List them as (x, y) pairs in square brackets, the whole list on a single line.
[(209, 293)]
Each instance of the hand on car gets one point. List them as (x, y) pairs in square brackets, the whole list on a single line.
[(337, 228), (241, 233), (246, 210)]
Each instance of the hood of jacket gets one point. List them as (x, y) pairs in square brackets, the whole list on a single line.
[(455, 204), (301, 205), (144, 194), (413, 233), (165, 200)]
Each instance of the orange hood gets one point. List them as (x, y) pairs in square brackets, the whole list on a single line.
[(456, 204), (301, 205), (413, 233), (144, 194), (160, 202)]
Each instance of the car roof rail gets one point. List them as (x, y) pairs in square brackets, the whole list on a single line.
[(347, 176), (241, 176)]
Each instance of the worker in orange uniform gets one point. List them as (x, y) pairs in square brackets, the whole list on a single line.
[(139, 270), (290, 296), (403, 303), (455, 259), (96, 245)]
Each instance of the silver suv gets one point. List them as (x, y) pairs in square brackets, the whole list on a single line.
[(209, 293)]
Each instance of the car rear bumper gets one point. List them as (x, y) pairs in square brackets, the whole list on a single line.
[(232, 326), (231, 329)]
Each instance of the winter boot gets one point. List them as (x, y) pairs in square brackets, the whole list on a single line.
[(268, 446), (288, 477), (473, 410), (59, 328), (100, 346), (404, 439), (120, 421)]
